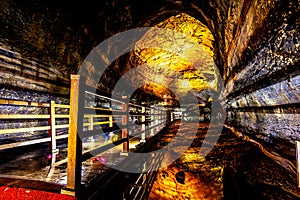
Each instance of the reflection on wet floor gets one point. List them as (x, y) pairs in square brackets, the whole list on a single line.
[(191, 176), (34, 162), (233, 169)]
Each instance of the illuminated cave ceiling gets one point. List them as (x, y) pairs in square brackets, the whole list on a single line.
[(176, 55), (43, 43), (60, 37)]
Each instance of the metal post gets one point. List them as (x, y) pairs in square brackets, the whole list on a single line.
[(159, 119), (74, 141), (91, 122), (111, 134), (152, 121), (156, 118), (91, 139)]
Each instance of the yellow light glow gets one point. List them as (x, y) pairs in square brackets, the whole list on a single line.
[(182, 57)]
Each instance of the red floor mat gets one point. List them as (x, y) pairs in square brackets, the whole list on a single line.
[(8, 193)]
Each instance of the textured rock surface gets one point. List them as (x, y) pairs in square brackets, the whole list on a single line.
[(234, 169), (179, 59), (18, 71), (262, 92)]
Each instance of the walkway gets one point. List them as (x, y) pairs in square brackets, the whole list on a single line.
[(233, 170)]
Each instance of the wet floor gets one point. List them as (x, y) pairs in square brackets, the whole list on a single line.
[(33, 162), (233, 169), (191, 175)]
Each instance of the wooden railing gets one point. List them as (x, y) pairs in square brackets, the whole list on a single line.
[(83, 123), (79, 130), (51, 126)]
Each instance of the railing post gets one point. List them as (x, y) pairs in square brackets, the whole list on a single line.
[(52, 132), (298, 161), (111, 134), (143, 139), (125, 149), (159, 118), (172, 116), (152, 121), (74, 142), (91, 122), (91, 139)]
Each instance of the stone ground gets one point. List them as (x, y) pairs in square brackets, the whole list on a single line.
[(233, 169)]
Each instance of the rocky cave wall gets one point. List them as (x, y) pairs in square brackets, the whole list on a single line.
[(262, 74), (58, 35), (256, 49)]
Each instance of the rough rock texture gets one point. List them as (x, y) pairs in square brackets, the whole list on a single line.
[(17, 71), (61, 35), (178, 54), (234, 169), (262, 92)]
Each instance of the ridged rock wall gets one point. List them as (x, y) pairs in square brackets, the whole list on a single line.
[(29, 74), (262, 77)]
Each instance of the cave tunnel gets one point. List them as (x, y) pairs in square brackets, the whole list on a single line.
[(211, 88)]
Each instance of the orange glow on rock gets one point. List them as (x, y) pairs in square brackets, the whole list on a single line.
[(182, 56)]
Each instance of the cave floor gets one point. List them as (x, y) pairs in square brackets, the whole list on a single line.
[(233, 169)]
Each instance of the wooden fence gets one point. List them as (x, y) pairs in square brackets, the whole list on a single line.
[(51, 127), (84, 121), (78, 132)]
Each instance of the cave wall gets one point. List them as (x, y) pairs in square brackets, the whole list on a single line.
[(20, 73), (262, 74), (256, 50), (57, 36), (61, 35)]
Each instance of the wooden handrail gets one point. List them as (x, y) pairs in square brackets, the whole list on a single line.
[(76, 125), (61, 116), (20, 116), (26, 143), (30, 142), (62, 126), (23, 103), (20, 130), (61, 106), (96, 108), (51, 117)]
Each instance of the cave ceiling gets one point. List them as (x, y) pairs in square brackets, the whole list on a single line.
[(180, 57), (60, 34)]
